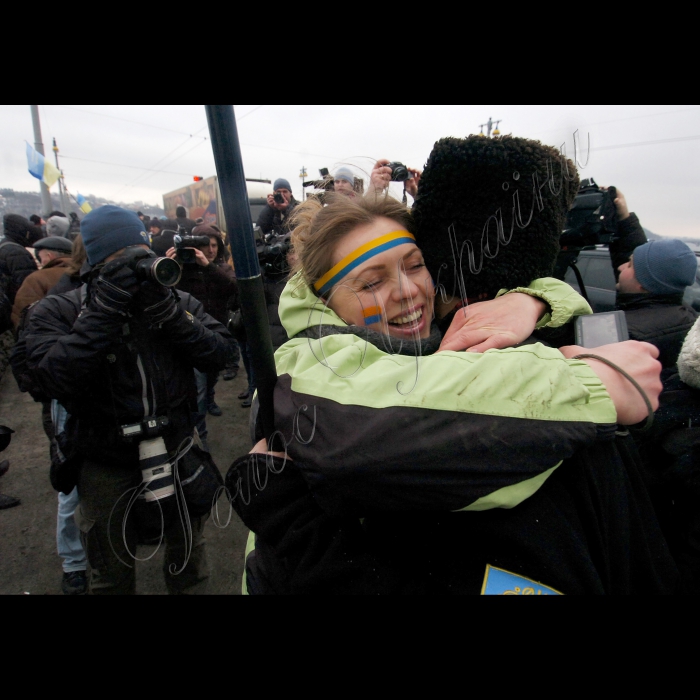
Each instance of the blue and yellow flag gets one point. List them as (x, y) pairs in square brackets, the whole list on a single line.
[(40, 168), (83, 203)]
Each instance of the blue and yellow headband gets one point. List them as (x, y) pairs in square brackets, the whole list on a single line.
[(357, 257)]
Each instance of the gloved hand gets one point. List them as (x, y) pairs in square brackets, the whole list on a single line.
[(114, 289), (158, 303)]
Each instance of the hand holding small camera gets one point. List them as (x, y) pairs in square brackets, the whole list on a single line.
[(200, 258), (278, 201), (380, 176)]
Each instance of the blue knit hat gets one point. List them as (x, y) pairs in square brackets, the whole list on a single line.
[(664, 267), (281, 183), (108, 229), (344, 174)]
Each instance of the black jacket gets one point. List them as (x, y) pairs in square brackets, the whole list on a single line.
[(16, 264), (107, 373), (272, 220), (659, 319), (629, 236), (671, 456)]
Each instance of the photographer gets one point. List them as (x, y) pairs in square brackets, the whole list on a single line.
[(211, 280), (274, 217), (651, 279), (16, 262), (115, 352)]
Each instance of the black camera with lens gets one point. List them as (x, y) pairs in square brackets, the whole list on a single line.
[(399, 172), (184, 245), (272, 252), (147, 429), (277, 197), (592, 219), (150, 268)]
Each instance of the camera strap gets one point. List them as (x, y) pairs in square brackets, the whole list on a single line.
[(579, 279)]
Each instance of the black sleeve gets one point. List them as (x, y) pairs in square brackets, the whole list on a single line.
[(20, 264), (198, 336), (318, 553), (266, 219), (630, 235), (65, 348)]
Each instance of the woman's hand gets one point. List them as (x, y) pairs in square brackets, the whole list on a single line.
[(639, 361), (499, 323)]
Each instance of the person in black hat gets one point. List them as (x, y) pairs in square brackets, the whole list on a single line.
[(183, 220), (54, 255), (119, 355), (16, 262)]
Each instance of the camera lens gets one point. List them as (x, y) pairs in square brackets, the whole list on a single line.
[(164, 271)]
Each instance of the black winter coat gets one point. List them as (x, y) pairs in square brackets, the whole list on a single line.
[(16, 264), (272, 220), (659, 319), (107, 373)]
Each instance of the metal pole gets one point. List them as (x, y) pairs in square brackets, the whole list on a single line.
[(61, 187), (234, 199), (45, 194)]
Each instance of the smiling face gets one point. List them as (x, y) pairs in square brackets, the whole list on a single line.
[(391, 290)]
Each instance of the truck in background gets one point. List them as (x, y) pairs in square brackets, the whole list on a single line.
[(203, 200)]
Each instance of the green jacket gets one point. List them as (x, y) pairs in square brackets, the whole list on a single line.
[(373, 431)]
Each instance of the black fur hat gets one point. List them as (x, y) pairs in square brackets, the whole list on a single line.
[(495, 208)]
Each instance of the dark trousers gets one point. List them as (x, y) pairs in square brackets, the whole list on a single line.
[(100, 516)]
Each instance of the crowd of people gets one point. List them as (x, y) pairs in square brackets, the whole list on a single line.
[(437, 428)]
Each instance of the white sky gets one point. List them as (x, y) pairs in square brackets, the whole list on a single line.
[(145, 151)]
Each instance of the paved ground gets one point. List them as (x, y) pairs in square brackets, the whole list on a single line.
[(28, 559)]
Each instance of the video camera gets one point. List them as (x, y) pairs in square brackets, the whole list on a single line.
[(185, 243), (592, 219), (272, 252)]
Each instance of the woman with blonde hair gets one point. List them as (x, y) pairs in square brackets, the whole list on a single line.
[(400, 464)]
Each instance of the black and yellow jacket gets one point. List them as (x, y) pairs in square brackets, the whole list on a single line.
[(447, 473)]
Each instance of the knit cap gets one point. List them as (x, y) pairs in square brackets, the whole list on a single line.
[(281, 183), (344, 174), (664, 267), (57, 226), (109, 229)]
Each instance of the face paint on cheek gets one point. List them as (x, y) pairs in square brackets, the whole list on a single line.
[(372, 314)]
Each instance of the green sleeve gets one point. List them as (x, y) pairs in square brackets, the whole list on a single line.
[(564, 302)]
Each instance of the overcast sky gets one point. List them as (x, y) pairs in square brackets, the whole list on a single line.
[(139, 152)]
